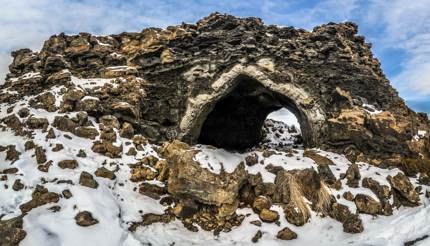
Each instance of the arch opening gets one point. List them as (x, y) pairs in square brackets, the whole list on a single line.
[(236, 120)]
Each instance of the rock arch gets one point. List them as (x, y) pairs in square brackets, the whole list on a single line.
[(165, 82), (227, 110)]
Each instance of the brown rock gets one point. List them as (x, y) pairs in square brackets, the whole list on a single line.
[(127, 130), (152, 190), (368, 205), (12, 154), (86, 179), (51, 134), (269, 216), (353, 176), (286, 234), (403, 190), (257, 236), (81, 153), (57, 147), (261, 202), (37, 123), (44, 167), (11, 170), (319, 159), (109, 121), (40, 196), (70, 164), (67, 194), (11, 232), (105, 173), (251, 160), (188, 179), (85, 218), (348, 196), (40, 155), (17, 185), (64, 123), (86, 132)]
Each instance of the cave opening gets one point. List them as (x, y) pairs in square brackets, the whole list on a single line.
[(237, 120)]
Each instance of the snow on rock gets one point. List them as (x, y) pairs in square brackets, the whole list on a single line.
[(116, 204)]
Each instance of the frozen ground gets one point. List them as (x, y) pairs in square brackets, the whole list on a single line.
[(116, 203)]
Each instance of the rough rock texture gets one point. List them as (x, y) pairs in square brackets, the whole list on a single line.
[(188, 179), (186, 81), (11, 232)]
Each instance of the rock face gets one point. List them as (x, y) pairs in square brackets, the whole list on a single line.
[(188, 180), (216, 81)]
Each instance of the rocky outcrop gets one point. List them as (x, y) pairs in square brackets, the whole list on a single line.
[(188, 180), (215, 82)]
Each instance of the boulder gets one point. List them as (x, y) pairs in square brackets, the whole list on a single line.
[(187, 179)]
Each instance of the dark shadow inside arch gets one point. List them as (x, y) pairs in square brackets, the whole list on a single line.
[(235, 121)]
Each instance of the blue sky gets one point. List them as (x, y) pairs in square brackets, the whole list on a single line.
[(398, 29)]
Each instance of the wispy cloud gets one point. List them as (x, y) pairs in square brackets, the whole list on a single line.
[(406, 26)]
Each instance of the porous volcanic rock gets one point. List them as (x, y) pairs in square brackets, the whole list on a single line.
[(188, 179), (215, 82)]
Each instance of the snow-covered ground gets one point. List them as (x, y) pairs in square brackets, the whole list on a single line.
[(116, 203)]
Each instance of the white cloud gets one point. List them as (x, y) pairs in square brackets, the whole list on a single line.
[(308, 17), (406, 26)]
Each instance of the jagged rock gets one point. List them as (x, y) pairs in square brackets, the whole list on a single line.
[(257, 236), (424, 179), (40, 196), (44, 167), (351, 222), (108, 134), (131, 152), (44, 101), (12, 154), (381, 191), (188, 179), (86, 179), (23, 112), (366, 204), (17, 185), (348, 196), (57, 147), (149, 219), (81, 153), (286, 234), (29, 145), (40, 155), (353, 176), (51, 134), (37, 123), (85, 218), (107, 148), (86, 132), (105, 173), (14, 123), (64, 123), (261, 202), (11, 170), (326, 174), (109, 121), (141, 173), (152, 190), (11, 232), (251, 160), (403, 191), (267, 215), (127, 130), (67, 194), (319, 159), (70, 164)]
